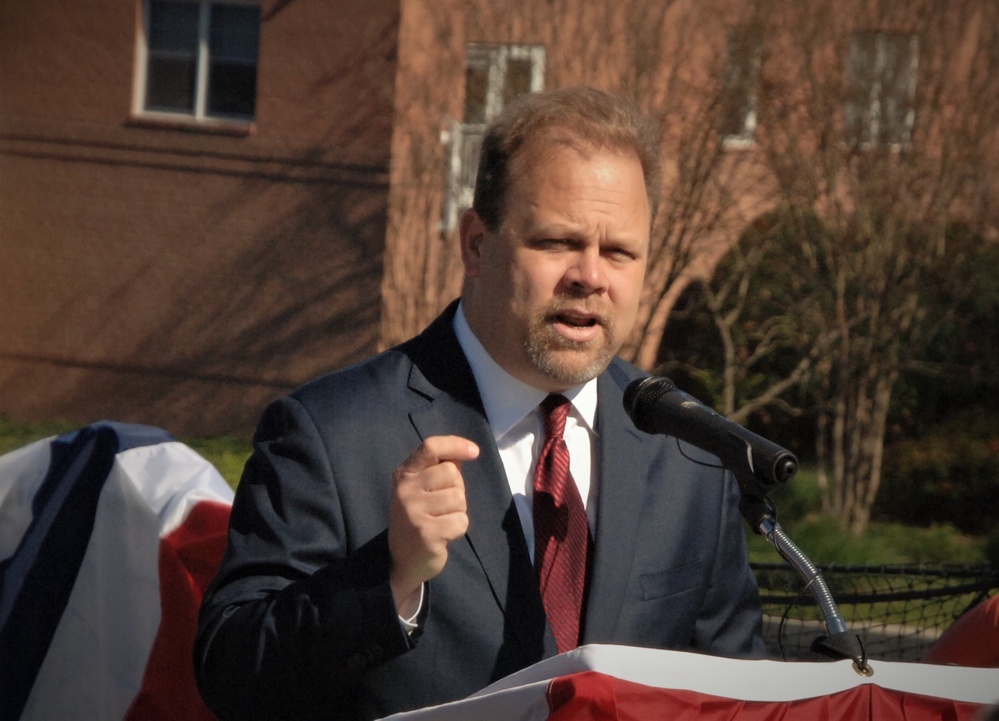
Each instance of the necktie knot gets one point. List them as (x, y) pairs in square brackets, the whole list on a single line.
[(554, 411)]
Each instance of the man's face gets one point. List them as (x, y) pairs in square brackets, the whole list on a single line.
[(554, 291)]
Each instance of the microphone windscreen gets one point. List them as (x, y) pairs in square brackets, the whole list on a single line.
[(641, 395)]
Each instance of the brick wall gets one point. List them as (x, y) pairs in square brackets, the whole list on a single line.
[(165, 275)]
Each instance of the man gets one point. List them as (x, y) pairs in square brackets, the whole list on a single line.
[(383, 543)]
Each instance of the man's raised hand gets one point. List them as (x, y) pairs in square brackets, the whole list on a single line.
[(428, 511)]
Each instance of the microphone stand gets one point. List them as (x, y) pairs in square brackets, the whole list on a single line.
[(762, 518), (657, 406)]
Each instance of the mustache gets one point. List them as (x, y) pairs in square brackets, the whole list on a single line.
[(575, 307)]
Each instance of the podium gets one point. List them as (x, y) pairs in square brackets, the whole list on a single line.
[(627, 683)]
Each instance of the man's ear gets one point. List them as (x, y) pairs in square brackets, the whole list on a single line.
[(471, 231)]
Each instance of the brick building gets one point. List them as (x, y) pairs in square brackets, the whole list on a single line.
[(203, 204), (172, 262)]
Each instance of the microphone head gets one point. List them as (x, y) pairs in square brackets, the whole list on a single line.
[(640, 397), (758, 464)]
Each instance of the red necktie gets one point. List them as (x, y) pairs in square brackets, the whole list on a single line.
[(561, 531)]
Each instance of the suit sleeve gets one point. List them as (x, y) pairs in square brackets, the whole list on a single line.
[(292, 620), (730, 623)]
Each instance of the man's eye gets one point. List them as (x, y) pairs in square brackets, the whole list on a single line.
[(619, 254)]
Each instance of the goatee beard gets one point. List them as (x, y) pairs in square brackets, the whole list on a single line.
[(544, 345)]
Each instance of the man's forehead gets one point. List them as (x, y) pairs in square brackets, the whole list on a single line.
[(557, 141), (532, 159)]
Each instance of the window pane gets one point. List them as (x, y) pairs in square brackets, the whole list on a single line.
[(232, 89), (232, 71), (861, 87), (898, 86), (170, 84), (235, 31), (173, 56), (476, 87), (173, 28), (864, 65), (738, 100), (732, 119), (880, 101), (471, 146), (518, 79)]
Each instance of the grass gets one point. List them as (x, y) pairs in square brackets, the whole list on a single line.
[(227, 453), (15, 435)]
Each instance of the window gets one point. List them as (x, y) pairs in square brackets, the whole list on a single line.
[(198, 60), (494, 75), (881, 88), (739, 86)]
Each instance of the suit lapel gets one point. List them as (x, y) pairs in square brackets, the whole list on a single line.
[(622, 477), (441, 375), (487, 494)]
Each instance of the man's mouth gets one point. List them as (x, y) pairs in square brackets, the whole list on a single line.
[(577, 326), (576, 320)]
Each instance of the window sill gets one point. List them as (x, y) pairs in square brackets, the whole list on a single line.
[(738, 142), (211, 126)]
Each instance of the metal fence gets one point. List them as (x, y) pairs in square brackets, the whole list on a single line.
[(899, 611)]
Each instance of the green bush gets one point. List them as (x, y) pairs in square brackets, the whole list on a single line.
[(949, 475), (825, 541), (992, 548), (799, 499)]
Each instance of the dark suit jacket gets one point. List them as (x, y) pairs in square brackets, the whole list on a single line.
[(300, 621)]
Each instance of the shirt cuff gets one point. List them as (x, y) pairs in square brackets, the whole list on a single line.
[(412, 623)]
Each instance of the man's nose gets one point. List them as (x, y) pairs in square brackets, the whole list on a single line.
[(586, 272)]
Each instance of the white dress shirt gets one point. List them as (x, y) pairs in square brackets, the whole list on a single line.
[(512, 410)]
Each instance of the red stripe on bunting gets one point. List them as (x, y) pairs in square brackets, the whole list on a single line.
[(188, 560), (593, 696)]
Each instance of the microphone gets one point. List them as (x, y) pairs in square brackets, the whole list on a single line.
[(656, 405)]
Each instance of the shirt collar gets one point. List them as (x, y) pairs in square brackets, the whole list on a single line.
[(506, 399)]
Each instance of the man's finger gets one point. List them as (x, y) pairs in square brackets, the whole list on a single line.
[(436, 478), (444, 501), (438, 449)]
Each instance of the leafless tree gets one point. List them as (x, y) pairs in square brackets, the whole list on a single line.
[(877, 122)]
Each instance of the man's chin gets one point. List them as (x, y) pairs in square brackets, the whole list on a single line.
[(572, 366)]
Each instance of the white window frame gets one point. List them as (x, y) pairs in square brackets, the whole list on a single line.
[(864, 117), (200, 115), (747, 71), (465, 139)]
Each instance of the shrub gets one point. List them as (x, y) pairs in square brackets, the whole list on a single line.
[(824, 541), (949, 475)]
